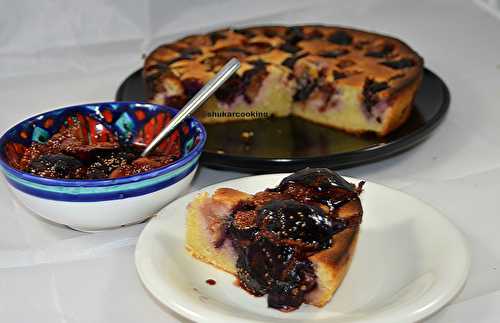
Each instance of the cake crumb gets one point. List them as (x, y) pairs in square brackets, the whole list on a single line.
[(246, 136)]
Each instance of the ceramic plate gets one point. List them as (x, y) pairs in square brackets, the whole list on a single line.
[(289, 144), (410, 261)]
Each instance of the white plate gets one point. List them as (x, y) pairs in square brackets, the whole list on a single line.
[(410, 261)]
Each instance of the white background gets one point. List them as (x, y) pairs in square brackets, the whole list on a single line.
[(57, 53)]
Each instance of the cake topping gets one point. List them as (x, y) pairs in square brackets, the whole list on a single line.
[(190, 52), (399, 64), (294, 34), (289, 48), (262, 263), (297, 224), (305, 86), (266, 268), (191, 86), (370, 90), (288, 293), (230, 90), (334, 53), (340, 37), (321, 178), (215, 36), (345, 63), (374, 86), (385, 51), (253, 79), (290, 61), (270, 33), (245, 32), (339, 75), (319, 185)]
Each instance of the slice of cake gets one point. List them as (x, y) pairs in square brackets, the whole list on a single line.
[(293, 242), (349, 79)]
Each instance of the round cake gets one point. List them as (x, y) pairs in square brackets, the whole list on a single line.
[(352, 80)]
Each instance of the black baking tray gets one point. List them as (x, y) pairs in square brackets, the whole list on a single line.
[(288, 144)]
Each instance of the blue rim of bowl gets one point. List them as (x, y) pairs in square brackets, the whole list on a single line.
[(193, 154)]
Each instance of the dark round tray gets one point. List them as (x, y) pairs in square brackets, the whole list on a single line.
[(288, 144)]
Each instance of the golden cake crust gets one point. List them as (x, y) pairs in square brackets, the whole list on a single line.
[(332, 263), (365, 55)]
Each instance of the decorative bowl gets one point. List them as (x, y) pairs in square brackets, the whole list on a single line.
[(92, 205)]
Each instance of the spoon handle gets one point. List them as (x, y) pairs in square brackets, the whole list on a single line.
[(196, 101)]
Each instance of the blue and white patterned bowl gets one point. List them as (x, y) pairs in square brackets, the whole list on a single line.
[(91, 205)]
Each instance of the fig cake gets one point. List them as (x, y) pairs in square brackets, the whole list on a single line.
[(293, 242), (349, 79)]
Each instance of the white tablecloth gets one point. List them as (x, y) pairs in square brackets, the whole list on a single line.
[(59, 53)]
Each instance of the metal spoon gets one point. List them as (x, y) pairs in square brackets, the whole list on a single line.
[(196, 101)]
